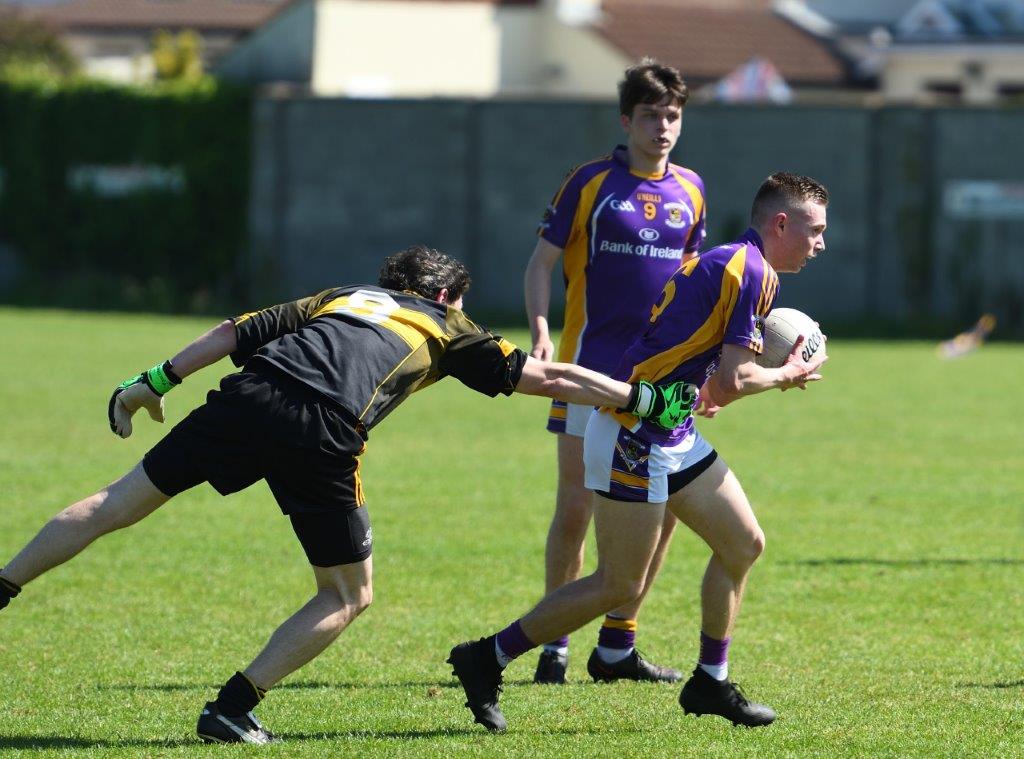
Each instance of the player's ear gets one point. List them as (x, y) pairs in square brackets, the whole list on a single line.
[(624, 120), (442, 295), (779, 222)]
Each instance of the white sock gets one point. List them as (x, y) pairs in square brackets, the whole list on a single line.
[(612, 655), (718, 671), (556, 649), (502, 658)]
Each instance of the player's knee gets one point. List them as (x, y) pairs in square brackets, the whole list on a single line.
[(363, 599), (571, 526), (749, 549), (618, 591), (351, 601), (757, 546), (88, 514), (742, 553), (572, 515)]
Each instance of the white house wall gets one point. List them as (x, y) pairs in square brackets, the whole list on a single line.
[(980, 71), (579, 62), (453, 49), (406, 49)]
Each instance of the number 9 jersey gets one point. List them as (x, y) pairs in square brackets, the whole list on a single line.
[(367, 349), (623, 235)]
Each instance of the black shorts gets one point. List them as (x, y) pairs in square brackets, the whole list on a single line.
[(265, 425)]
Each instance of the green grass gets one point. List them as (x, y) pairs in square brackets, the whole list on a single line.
[(885, 618)]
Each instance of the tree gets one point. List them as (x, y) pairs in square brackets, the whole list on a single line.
[(178, 57), (28, 43)]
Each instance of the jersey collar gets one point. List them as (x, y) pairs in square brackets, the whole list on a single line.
[(751, 236), (621, 156)]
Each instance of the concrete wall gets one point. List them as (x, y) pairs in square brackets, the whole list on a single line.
[(280, 51), (338, 184)]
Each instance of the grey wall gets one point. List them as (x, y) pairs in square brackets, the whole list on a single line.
[(279, 51), (338, 184)]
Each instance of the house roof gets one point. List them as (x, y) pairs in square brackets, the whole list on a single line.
[(707, 41), (208, 15)]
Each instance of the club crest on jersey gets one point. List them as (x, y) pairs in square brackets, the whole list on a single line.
[(757, 333), (632, 453), (679, 215)]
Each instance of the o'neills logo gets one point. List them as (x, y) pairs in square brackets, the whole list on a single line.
[(811, 346)]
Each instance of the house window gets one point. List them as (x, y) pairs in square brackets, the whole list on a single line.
[(945, 89), (1013, 90)]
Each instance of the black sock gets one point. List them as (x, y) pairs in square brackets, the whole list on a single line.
[(239, 695), (8, 590)]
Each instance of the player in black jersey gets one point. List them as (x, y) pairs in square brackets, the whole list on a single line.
[(317, 374)]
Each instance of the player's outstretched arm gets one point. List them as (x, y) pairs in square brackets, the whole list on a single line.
[(665, 406), (738, 374), (537, 293), (147, 389)]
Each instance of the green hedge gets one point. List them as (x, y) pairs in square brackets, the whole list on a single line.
[(156, 249)]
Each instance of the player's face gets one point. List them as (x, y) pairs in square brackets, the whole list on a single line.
[(653, 129), (802, 234)]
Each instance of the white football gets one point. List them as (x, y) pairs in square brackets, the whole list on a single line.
[(781, 329)]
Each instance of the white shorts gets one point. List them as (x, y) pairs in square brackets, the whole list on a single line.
[(569, 418), (625, 467)]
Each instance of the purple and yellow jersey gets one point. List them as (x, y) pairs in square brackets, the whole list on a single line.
[(623, 235), (720, 297)]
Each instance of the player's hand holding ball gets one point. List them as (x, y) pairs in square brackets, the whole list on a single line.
[(793, 341), (145, 390)]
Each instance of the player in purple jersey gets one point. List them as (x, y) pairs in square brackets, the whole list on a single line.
[(621, 224), (704, 332)]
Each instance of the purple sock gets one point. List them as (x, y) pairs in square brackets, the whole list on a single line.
[(513, 641), (712, 651), (617, 633), (562, 642)]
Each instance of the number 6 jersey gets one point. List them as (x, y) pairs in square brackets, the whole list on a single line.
[(367, 349)]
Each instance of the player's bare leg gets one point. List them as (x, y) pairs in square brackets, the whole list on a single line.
[(615, 657), (564, 551), (343, 592), (565, 547), (120, 504), (627, 534), (715, 507)]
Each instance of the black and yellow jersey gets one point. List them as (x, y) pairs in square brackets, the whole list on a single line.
[(367, 349)]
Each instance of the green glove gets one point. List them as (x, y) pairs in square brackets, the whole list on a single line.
[(667, 406), (145, 390)]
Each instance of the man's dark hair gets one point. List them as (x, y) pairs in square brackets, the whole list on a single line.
[(424, 271), (650, 82), (782, 191)]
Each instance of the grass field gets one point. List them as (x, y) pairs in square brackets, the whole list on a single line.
[(885, 618)]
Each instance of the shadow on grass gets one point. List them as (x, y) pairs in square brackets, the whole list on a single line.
[(377, 734), (59, 742), (50, 742), (301, 685), (1008, 684), (856, 561)]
